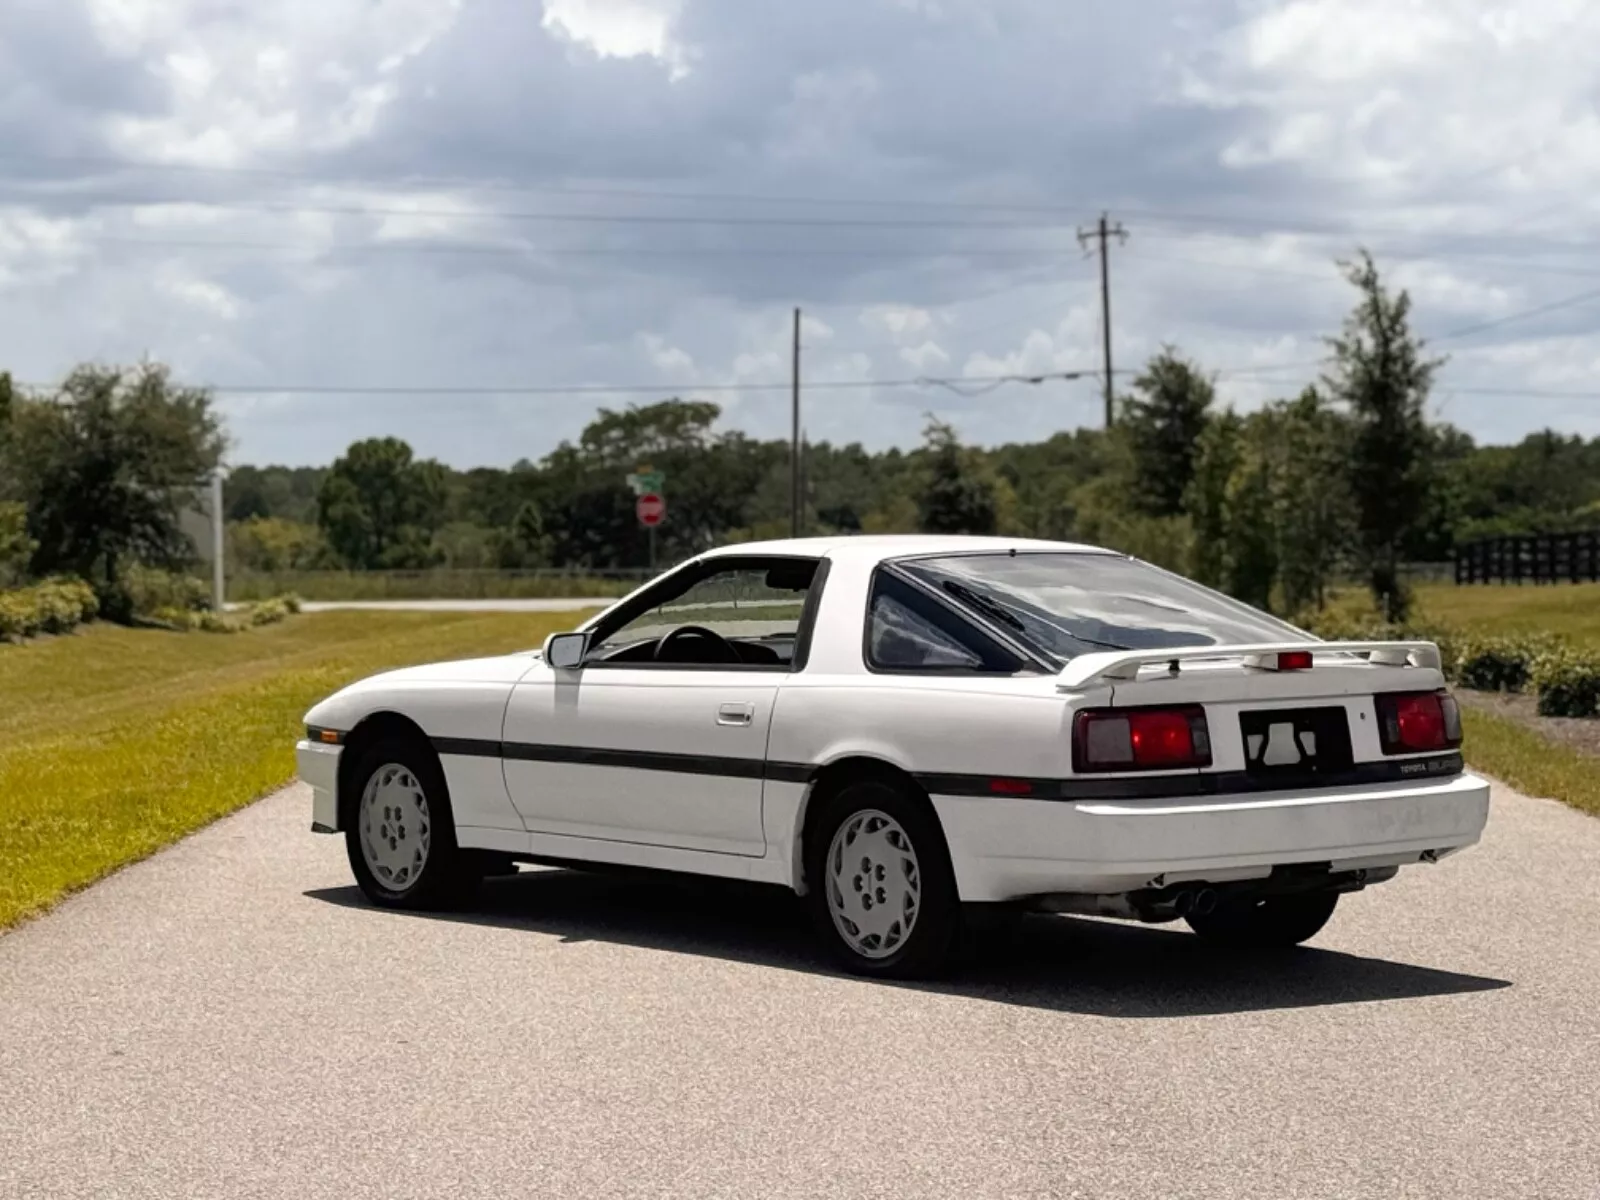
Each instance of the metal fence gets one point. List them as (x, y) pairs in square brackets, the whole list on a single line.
[(1531, 558)]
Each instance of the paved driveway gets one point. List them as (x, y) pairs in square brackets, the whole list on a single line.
[(229, 1019)]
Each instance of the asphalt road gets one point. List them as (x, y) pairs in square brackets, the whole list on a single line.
[(228, 1019)]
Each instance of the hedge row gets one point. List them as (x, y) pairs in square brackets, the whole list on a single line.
[(55, 606), (1565, 678), (206, 620)]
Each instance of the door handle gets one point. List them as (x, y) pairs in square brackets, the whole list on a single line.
[(735, 714)]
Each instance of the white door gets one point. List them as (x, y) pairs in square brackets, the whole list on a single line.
[(666, 758), (661, 736)]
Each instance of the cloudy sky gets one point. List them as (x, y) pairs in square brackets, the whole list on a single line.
[(305, 202)]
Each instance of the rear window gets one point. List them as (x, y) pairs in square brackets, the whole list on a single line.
[(1068, 604)]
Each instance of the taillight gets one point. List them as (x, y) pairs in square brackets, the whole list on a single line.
[(1140, 739), (1412, 722)]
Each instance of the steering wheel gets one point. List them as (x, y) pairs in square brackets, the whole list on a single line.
[(725, 649)]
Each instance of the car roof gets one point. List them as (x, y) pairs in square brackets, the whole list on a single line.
[(877, 547)]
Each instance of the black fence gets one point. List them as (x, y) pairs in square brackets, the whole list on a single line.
[(1531, 558)]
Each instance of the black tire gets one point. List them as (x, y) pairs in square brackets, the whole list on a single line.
[(448, 876), (934, 930), (1272, 923)]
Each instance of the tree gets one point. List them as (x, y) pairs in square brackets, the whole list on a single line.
[(1250, 558), (1380, 374), (1162, 423), (106, 467), (274, 544), (955, 496), (378, 506), (1206, 498), (16, 547), (1313, 510)]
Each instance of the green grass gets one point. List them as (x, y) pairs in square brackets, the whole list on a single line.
[(1506, 749), (1571, 610), (427, 585), (116, 742), (1518, 756)]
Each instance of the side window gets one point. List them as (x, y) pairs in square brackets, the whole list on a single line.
[(901, 640), (746, 614), (909, 632)]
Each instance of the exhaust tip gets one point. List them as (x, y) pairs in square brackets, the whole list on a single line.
[(1205, 901), (1183, 903)]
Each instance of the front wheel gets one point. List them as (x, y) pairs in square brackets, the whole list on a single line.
[(882, 894), (1269, 923), (401, 838)]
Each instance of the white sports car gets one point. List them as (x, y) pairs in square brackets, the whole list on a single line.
[(912, 732)]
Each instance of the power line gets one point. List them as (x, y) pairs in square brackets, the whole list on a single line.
[(1554, 306), (499, 185), (512, 248), (586, 218), (1064, 213), (921, 381)]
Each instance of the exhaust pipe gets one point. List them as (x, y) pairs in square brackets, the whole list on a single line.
[(1183, 903), (1205, 901)]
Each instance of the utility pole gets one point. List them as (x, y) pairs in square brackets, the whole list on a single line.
[(794, 437), (1101, 234), (219, 595)]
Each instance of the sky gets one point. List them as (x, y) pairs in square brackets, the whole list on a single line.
[(325, 209)]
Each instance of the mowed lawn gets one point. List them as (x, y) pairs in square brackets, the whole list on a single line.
[(1503, 748), (115, 742), (1569, 609)]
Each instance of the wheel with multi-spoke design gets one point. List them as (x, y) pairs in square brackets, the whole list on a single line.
[(881, 889), (400, 834)]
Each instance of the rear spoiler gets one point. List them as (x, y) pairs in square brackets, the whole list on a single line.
[(1113, 665)]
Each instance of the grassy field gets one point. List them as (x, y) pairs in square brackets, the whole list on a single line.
[(429, 585), (1517, 755), (115, 742), (1572, 610)]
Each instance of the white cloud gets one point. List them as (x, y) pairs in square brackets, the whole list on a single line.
[(926, 357), (1459, 140), (621, 28), (672, 360)]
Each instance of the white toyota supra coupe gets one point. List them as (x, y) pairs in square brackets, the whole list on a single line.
[(913, 732)]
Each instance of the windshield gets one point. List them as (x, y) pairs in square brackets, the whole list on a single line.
[(1068, 604)]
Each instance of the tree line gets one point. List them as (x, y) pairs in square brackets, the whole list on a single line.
[(1348, 476)]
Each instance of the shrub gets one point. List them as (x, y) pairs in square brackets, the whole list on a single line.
[(1568, 682), (1500, 664), (268, 612), (151, 591), (54, 606)]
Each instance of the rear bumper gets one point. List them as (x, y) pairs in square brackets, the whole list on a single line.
[(1006, 848), (318, 766)]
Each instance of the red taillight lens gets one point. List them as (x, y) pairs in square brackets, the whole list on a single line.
[(1140, 739), (1412, 722), (1294, 660)]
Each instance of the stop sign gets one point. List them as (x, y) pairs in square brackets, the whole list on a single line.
[(651, 508)]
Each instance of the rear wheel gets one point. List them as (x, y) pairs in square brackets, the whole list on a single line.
[(1272, 922), (882, 894), (401, 837)]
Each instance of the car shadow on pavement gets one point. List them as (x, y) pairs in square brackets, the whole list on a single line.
[(1068, 964)]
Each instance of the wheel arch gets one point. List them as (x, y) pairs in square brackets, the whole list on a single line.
[(834, 777), (373, 728)]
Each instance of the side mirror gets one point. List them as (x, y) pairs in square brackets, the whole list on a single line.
[(565, 651)]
